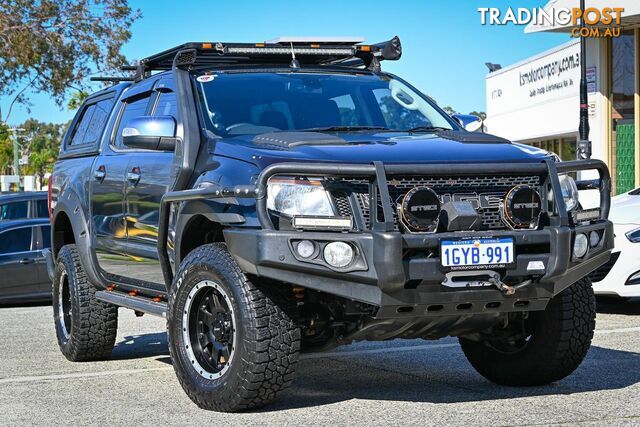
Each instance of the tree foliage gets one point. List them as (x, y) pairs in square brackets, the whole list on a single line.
[(50, 46)]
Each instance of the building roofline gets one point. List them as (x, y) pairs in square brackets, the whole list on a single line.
[(534, 58)]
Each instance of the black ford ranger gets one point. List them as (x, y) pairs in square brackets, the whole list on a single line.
[(289, 196)]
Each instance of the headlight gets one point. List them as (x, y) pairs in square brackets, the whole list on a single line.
[(292, 196), (634, 235), (569, 192)]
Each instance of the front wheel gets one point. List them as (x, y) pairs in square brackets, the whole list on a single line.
[(538, 348), (234, 344)]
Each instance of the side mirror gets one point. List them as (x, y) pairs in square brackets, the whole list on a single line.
[(150, 133), (469, 122)]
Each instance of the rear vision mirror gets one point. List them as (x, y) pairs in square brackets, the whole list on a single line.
[(150, 133)]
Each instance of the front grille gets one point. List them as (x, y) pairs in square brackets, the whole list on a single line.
[(601, 272), (484, 192)]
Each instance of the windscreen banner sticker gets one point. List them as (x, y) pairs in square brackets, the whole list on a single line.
[(206, 78)]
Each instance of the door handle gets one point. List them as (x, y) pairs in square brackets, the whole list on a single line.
[(134, 176), (100, 173), (27, 261)]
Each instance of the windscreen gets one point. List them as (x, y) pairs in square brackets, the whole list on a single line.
[(253, 103)]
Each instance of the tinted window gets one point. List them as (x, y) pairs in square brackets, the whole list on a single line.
[(14, 210), (92, 123), (82, 126), (18, 240), (253, 103), (46, 236), (42, 209), (132, 109), (167, 105)]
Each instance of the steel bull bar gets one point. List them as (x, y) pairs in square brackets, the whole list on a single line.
[(378, 172)]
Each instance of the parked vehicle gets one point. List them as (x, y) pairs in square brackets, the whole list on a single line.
[(620, 277), (23, 268), (22, 205), (290, 196)]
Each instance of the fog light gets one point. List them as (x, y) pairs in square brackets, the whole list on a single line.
[(594, 239), (580, 245), (338, 254), (306, 248)]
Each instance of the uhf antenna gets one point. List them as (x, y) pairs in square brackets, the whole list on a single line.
[(294, 62), (584, 145)]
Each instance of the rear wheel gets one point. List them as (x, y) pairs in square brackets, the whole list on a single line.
[(234, 343), (85, 327), (538, 348)]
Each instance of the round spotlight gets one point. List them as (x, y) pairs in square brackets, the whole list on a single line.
[(580, 245), (338, 254), (419, 209), (306, 248), (522, 207), (594, 239)]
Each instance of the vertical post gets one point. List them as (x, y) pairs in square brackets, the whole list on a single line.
[(636, 105), (16, 156), (584, 145)]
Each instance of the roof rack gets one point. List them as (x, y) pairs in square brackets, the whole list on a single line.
[(345, 51)]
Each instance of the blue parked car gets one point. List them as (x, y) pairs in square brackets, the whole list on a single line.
[(23, 269)]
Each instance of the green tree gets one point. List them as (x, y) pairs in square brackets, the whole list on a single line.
[(480, 114), (76, 100), (51, 46), (449, 110), (6, 151), (40, 142)]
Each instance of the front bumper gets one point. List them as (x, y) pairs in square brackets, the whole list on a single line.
[(400, 273), (413, 286)]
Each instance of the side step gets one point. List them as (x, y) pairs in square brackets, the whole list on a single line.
[(136, 303)]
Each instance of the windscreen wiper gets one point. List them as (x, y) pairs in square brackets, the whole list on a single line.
[(427, 129), (342, 128)]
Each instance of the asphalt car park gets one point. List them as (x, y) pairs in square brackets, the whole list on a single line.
[(390, 383)]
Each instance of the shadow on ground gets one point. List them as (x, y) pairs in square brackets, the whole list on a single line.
[(619, 306), (141, 346), (440, 376)]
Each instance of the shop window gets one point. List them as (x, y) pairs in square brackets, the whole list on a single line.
[(565, 148), (622, 86)]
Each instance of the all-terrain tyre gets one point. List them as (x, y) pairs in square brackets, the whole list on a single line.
[(557, 340), (234, 343), (86, 328)]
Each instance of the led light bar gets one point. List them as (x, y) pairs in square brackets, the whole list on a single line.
[(322, 222), (586, 215), (288, 50)]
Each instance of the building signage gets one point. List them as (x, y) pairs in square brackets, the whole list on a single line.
[(549, 77)]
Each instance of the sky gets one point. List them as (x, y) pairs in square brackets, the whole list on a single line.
[(444, 45)]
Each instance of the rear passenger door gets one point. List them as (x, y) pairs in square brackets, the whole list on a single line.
[(18, 267), (108, 193), (148, 179)]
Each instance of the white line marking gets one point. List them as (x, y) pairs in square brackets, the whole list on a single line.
[(384, 350), (376, 351), (617, 331), (80, 375)]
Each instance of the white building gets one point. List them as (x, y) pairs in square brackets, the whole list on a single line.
[(536, 101)]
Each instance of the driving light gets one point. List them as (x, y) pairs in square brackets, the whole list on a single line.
[(306, 248), (338, 254), (292, 196), (634, 235), (594, 238), (569, 192), (580, 245), (522, 207)]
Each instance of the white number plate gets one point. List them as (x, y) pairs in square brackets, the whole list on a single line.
[(469, 253)]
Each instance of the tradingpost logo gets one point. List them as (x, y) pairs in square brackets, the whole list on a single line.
[(600, 22)]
